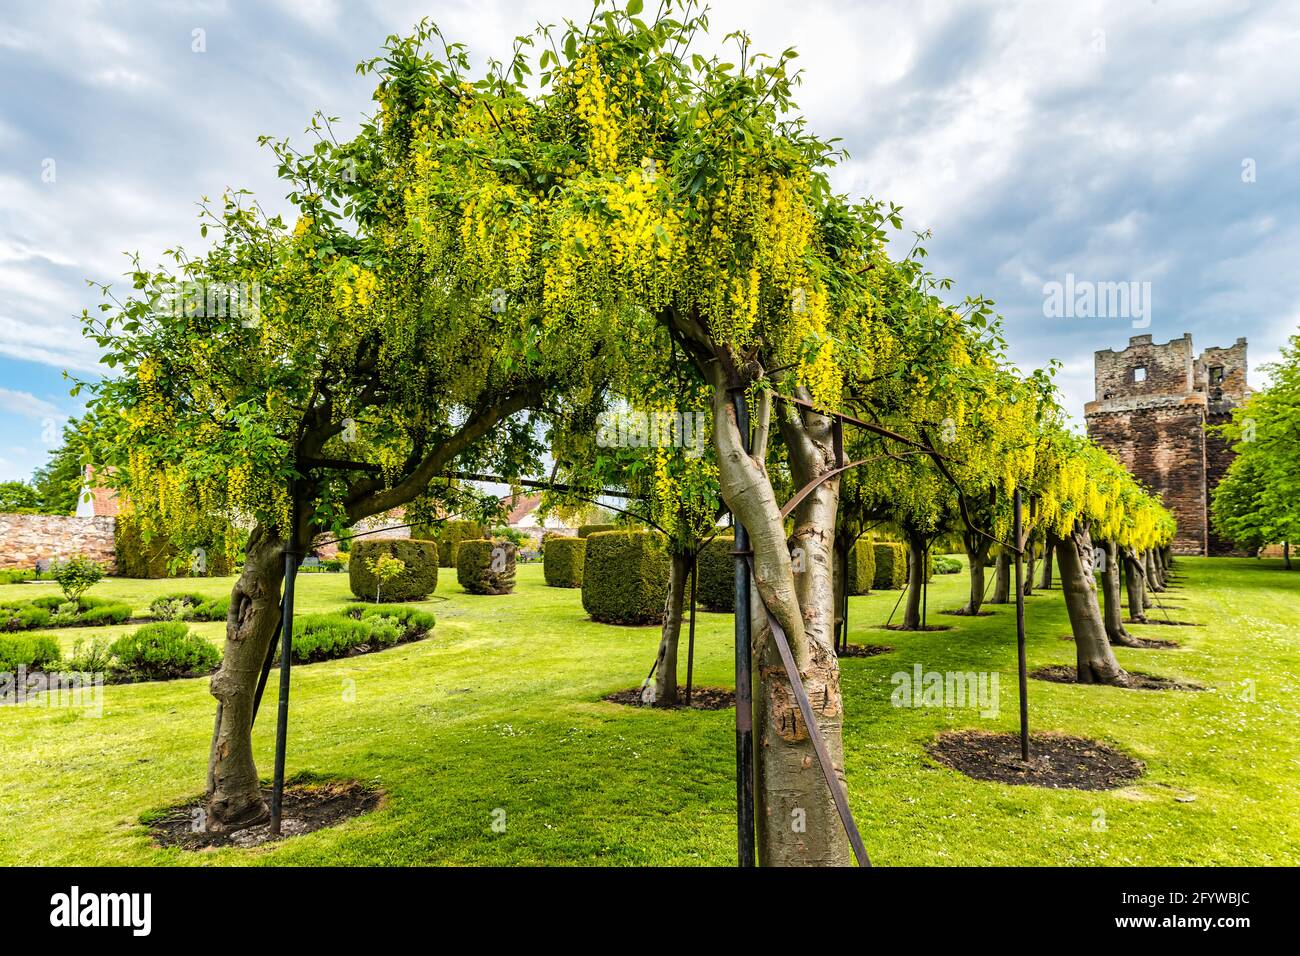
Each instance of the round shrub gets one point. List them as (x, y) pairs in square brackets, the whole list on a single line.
[(563, 560), (943, 564), (891, 565), (625, 578), (861, 567), (189, 607), (163, 650), (417, 580), (484, 566), (715, 575)]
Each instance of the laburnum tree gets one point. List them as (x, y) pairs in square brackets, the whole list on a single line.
[(1084, 492), (301, 376), (1258, 501)]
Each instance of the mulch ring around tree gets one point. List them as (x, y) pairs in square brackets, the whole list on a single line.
[(702, 698), (928, 627), (958, 612), (864, 650), (1056, 761), (1134, 680), (1143, 643), (307, 807), (1165, 621)]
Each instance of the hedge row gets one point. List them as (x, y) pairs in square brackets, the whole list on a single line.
[(416, 582), (159, 558), (54, 611), (891, 565), (485, 566), (861, 567), (715, 575), (31, 651), (188, 606), (625, 577), (562, 561), (323, 637), (449, 535), (587, 530)]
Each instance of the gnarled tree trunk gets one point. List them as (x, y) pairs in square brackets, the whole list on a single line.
[(977, 555), (1002, 579), (666, 673), (1154, 582), (234, 794), (797, 821), (1095, 660), (1111, 590), (1133, 583), (1048, 547)]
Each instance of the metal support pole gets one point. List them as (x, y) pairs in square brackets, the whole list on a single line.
[(745, 843), (690, 645), (291, 558), (1018, 533)]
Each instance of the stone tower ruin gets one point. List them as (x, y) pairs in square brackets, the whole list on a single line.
[(1152, 405)]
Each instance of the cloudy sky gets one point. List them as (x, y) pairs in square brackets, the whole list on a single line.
[(1134, 141)]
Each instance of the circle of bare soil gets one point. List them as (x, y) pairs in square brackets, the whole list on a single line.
[(1056, 761), (958, 612), (864, 650), (307, 808), (1167, 623), (928, 627), (1141, 643), (1133, 680), (702, 698)]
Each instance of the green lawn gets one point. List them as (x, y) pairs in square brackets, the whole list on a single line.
[(502, 709)]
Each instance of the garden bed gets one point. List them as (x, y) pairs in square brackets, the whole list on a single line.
[(702, 698), (54, 611), (864, 650), (1133, 680), (307, 807), (1056, 761)]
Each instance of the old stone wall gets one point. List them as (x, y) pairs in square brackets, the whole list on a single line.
[(25, 539)]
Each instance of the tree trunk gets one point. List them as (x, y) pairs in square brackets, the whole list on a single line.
[(1048, 547), (1095, 660), (1112, 590), (1153, 576), (1002, 579), (234, 794), (1133, 585), (975, 556), (840, 560), (1286, 555), (915, 581), (1028, 583), (666, 675), (797, 821)]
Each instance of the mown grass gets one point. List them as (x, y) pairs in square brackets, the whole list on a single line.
[(502, 709)]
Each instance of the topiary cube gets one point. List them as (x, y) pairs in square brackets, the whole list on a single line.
[(563, 560), (485, 566), (625, 577), (862, 567), (715, 575), (416, 582), (891, 565), (449, 535)]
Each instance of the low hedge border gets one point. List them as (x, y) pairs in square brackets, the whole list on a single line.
[(55, 611), (190, 607)]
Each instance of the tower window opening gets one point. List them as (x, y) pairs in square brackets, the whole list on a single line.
[(1216, 374), (1140, 373)]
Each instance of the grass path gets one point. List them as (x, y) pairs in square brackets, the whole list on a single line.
[(502, 709)]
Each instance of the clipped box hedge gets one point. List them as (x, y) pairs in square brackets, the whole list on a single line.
[(625, 579), (449, 535), (562, 562), (891, 565), (861, 567), (415, 583), (155, 559), (715, 575), (485, 566)]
